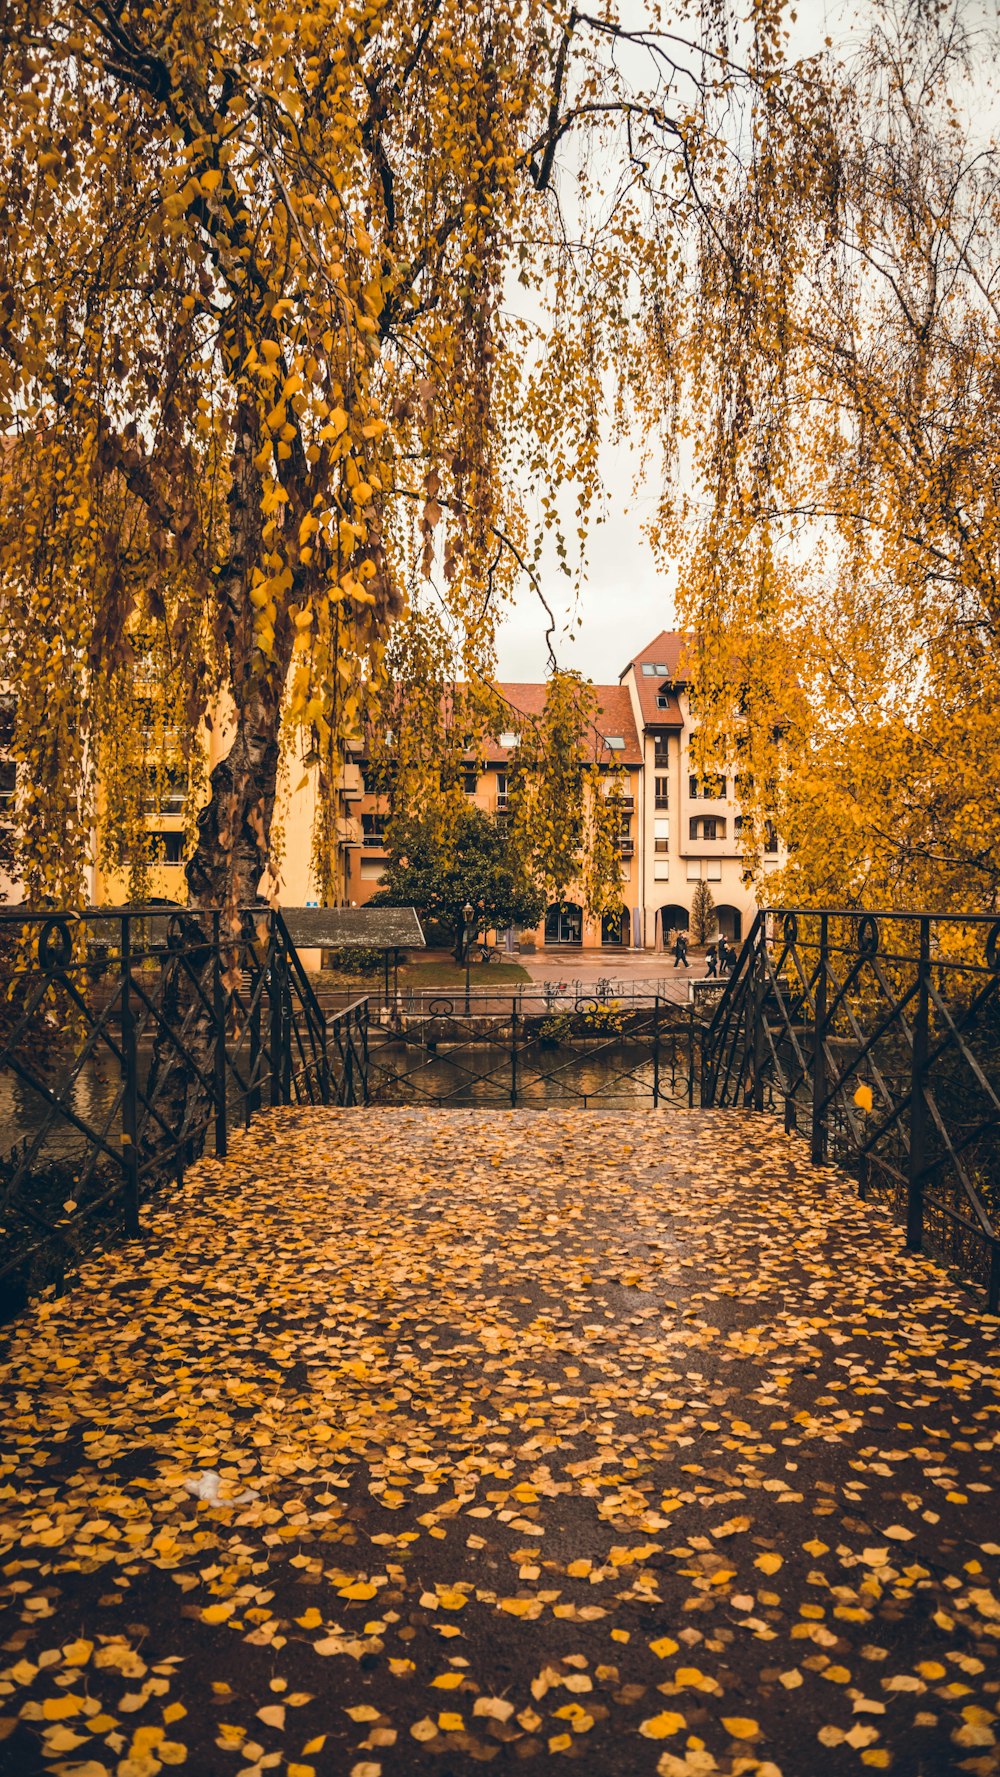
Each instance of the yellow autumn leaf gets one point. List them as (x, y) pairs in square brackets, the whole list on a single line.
[(863, 1097), (664, 1647), (450, 1723), (741, 1727), (769, 1562), (660, 1727), (217, 1613), (447, 1681)]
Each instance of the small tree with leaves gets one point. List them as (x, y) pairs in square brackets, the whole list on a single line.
[(702, 914)]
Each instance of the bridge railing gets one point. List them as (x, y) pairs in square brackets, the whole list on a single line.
[(878, 1035), (131, 1040)]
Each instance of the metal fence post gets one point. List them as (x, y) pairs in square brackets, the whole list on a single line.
[(918, 1111), (819, 1054), (759, 969), (219, 1051), (130, 1086), (324, 1081), (656, 1052), (513, 1054), (276, 1007)]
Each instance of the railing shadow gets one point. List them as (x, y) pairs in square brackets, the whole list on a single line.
[(132, 1040), (878, 1034)]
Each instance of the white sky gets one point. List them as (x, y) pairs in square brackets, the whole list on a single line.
[(626, 598)]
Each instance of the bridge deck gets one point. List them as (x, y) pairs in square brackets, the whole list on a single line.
[(632, 1440)]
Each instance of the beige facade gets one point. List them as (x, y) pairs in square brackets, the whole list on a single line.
[(676, 830)]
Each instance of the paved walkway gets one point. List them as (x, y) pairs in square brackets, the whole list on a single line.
[(544, 1436), (565, 963)]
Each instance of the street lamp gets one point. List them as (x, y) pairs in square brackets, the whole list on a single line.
[(467, 914)]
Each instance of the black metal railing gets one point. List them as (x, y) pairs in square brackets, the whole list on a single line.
[(880, 1034), (587, 1056), (132, 1040)]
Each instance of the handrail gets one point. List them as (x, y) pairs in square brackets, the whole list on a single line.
[(126, 1052), (887, 1037)]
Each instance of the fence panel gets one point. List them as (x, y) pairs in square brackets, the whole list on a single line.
[(880, 1033)]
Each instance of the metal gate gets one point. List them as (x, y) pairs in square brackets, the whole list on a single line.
[(591, 1055)]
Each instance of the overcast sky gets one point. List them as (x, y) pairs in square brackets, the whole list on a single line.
[(626, 599)]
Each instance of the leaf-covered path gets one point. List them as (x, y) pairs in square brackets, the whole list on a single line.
[(630, 1440)]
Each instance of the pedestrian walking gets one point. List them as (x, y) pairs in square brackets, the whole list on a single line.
[(711, 963), (681, 951)]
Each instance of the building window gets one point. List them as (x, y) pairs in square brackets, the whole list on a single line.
[(371, 870), (8, 783), (661, 870), (738, 827), (510, 738), (470, 781), (167, 792), (661, 788), (707, 826), (167, 848), (648, 670), (713, 870), (373, 829), (710, 789), (770, 837), (503, 793), (661, 669), (616, 742), (8, 714), (661, 750), (663, 701), (661, 845), (694, 869)]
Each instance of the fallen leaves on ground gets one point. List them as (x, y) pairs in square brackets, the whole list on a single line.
[(538, 1436)]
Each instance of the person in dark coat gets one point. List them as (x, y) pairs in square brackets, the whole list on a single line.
[(711, 963), (681, 951)]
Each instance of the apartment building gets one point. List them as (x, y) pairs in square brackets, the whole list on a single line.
[(677, 829)]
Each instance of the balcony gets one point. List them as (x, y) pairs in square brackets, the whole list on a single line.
[(626, 847), (374, 841)]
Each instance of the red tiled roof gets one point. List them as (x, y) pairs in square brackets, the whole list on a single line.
[(614, 719), (667, 649)]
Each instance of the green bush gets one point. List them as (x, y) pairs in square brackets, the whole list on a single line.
[(358, 959)]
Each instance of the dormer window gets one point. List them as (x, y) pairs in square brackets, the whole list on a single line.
[(510, 739)]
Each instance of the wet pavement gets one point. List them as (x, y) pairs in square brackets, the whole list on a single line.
[(626, 1439)]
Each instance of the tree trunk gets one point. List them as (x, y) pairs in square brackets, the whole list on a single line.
[(233, 828)]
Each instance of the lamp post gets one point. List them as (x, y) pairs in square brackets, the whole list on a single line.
[(467, 913)]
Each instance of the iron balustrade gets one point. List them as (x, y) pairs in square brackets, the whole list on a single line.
[(131, 1040), (589, 1054), (880, 1032)]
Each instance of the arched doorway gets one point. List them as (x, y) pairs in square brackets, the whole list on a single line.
[(670, 919), (730, 923), (564, 923), (615, 928)]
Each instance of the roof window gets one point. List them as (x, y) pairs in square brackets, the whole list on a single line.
[(510, 738), (617, 741), (661, 669), (648, 669)]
